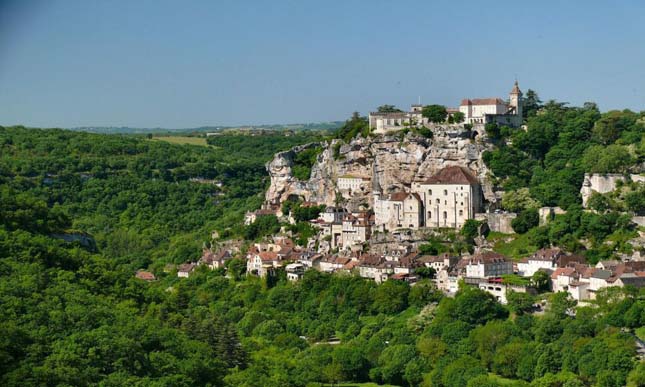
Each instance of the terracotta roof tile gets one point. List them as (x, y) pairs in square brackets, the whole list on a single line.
[(453, 175)]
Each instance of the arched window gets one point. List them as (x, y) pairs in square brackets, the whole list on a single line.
[(429, 192), (461, 212), (438, 201), (445, 215), (445, 192)]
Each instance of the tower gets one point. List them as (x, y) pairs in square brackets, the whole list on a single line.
[(376, 187), (515, 99)]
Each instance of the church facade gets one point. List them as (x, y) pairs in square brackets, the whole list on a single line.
[(445, 200)]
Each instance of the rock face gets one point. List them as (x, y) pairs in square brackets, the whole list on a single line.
[(395, 160)]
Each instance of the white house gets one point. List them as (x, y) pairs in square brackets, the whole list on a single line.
[(383, 122), (488, 264), (542, 259), (295, 271), (397, 210), (349, 184)]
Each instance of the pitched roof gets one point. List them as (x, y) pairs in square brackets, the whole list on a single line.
[(487, 257), (563, 271), (401, 196), (635, 281), (268, 255), (186, 267), (482, 101), (453, 175), (546, 254), (145, 275), (516, 89)]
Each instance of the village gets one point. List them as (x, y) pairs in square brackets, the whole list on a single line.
[(383, 239)]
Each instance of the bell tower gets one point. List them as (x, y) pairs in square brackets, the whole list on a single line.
[(515, 99)]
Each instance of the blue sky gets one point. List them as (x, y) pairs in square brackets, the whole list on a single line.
[(184, 64)]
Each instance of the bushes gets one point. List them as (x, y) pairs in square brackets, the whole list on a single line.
[(303, 162), (525, 221)]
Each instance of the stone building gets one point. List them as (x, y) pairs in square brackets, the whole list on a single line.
[(449, 198), (494, 110), (348, 184), (398, 210), (488, 264), (383, 122)]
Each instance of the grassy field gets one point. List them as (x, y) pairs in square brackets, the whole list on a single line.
[(516, 248), (640, 332), (182, 140)]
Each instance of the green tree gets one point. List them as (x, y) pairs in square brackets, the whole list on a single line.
[(458, 117), (525, 221), (435, 113), (531, 105), (518, 200), (388, 109), (391, 297)]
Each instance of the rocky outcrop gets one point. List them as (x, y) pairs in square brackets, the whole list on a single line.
[(399, 160)]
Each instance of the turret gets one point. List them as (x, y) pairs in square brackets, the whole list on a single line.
[(515, 99)]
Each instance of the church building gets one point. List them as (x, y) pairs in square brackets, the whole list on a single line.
[(494, 110)]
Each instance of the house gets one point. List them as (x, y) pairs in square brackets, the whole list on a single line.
[(499, 289), (439, 262), (185, 269), (449, 198), (356, 229), (310, 260), (262, 263), (331, 263), (409, 278), (384, 122), (488, 264), (494, 110), (375, 267), (447, 280), (333, 214), (397, 210), (215, 260), (541, 259), (584, 282), (145, 275), (349, 184), (264, 258), (295, 271)]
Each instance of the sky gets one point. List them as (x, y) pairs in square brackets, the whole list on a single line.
[(182, 64)]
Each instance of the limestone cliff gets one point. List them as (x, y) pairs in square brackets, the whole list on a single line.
[(399, 161)]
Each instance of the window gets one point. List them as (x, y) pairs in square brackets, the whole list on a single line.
[(429, 192), (445, 192), (445, 215), (429, 214), (461, 212), (438, 201)]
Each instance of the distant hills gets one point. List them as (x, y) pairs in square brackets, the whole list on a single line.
[(208, 129)]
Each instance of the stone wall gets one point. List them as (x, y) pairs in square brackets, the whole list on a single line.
[(548, 213), (498, 222)]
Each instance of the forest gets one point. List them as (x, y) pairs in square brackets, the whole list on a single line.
[(73, 314)]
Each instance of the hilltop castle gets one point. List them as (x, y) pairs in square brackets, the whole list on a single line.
[(476, 111)]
